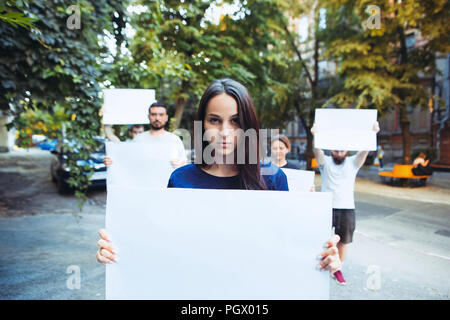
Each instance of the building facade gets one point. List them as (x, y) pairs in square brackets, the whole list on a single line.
[(429, 125)]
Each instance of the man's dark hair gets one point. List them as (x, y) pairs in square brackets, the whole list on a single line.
[(157, 104)]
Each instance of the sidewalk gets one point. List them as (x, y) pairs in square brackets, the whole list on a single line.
[(368, 181)]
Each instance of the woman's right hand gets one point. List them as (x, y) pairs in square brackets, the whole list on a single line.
[(107, 252), (107, 161)]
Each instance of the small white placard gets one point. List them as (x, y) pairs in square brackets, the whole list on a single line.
[(138, 165), (299, 180), (345, 129), (127, 106)]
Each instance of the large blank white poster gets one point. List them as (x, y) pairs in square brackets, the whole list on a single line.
[(127, 106), (138, 165), (217, 244), (299, 180), (345, 129)]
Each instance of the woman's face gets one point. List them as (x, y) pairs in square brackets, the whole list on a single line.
[(279, 150), (221, 124)]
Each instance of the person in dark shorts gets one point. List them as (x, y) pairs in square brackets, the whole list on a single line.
[(338, 173), (344, 224)]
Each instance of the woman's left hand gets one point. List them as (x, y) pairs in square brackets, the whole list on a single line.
[(329, 258)]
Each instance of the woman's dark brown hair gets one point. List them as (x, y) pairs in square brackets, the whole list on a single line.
[(422, 155), (249, 174)]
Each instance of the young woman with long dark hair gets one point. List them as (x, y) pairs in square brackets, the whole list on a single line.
[(226, 112)]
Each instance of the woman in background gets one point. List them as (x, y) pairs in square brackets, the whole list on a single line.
[(279, 149), (422, 165)]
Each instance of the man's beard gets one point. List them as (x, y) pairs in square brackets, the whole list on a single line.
[(338, 160), (153, 127)]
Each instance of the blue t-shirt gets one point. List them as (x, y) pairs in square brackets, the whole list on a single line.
[(191, 176)]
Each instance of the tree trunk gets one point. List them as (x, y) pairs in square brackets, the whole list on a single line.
[(309, 153), (181, 104), (406, 135), (404, 120), (309, 150)]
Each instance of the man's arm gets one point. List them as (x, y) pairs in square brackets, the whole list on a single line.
[(110, 134), (361, 156), (181, 153), (320, 156), (318, 153)]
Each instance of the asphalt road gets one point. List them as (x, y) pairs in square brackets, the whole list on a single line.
[(401, 247)]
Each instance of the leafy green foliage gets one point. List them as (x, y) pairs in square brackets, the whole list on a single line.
[(178, 51), (50, 65), (34, 121), (185, 51), (380, 70), (14, 18)]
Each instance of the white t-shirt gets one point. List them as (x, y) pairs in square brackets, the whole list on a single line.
[(168, 141), (340, 181)]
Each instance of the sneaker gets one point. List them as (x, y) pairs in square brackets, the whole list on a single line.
[(339, 278)]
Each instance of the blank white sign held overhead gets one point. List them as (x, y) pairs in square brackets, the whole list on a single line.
[(217, 244), (127, 106), (345, 129)]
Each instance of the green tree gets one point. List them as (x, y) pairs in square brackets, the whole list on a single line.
[(312, 90), (9, 14), (41, 122), (378, 68), (50, 65), (287, 83), (185, 50)]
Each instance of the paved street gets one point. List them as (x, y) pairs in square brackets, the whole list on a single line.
[(402, 238)]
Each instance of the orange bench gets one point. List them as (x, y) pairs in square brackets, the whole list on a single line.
[(401, 171)]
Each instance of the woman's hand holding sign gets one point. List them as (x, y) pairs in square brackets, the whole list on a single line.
[(107, 252), (329, 258)]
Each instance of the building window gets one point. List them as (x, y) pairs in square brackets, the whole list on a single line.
[(410, 40), (323, 18), (303, 29)]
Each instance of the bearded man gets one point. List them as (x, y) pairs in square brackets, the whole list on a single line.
[(338, 173), (157, 138)]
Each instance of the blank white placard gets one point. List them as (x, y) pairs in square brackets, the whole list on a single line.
[(299, 180), (139, 164), (345, 129), (127, 106), (217, 244)]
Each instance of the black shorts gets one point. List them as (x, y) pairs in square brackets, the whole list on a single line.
[(344, 224)]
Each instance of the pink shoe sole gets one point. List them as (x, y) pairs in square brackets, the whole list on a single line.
[(339, 278)]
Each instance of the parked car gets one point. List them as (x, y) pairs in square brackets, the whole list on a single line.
[(48, 144), (60, 172)]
